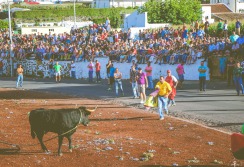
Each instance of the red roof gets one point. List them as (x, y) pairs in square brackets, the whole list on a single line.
[(219, 8)]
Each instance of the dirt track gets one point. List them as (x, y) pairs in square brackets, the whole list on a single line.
[(116, 136)]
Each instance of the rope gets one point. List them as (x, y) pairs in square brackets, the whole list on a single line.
[(18, 146)]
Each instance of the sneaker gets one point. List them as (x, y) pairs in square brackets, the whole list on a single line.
[(170, 105), (161, 118), (109, 89), (141, 101), (174, 104)]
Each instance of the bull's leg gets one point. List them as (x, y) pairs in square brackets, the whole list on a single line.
[(60, 142), (70, 143), (40, 136)]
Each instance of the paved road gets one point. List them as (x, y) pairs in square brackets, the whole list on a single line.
[(219, 107)]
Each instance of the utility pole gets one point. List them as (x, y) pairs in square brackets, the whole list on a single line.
[(11, 41), (74, 16)]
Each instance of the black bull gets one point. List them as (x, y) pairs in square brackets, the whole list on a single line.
[(60, 121)]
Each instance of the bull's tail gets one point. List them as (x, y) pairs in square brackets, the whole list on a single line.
[(33, 134)]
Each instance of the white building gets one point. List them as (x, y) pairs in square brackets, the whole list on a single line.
[(236, 6)]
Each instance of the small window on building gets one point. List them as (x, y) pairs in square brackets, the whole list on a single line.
[(34, 30), (51, 29)]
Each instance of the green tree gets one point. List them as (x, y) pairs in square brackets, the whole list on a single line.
[(3, 24), (172, 11)]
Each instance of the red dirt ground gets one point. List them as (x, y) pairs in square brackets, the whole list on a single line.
[(128, 132)]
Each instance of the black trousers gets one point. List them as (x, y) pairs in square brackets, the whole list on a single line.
[(202, 83)]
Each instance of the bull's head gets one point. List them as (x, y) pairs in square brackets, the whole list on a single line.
[(85, 113)]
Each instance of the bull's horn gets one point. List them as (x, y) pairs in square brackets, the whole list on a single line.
[(90, 110)]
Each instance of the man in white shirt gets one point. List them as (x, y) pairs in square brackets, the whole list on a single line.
[(72, 66)]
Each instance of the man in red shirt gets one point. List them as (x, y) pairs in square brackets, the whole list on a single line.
[(98, 68)]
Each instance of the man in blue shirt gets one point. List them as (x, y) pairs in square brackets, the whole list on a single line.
[(238, 27), (234, 37), (202, 69), (112, 70)]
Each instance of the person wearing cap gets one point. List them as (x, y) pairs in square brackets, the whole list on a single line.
[(163, 94), (142, 84), (173, 83)]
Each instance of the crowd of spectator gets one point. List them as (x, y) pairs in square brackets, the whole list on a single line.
[(166, 45)]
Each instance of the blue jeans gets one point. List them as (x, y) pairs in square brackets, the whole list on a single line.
[(118, 84), (162, 105), (150, 82), (238, 84), (73, 74), (19, 80), (135, 89), (98, 76), (90, 76)]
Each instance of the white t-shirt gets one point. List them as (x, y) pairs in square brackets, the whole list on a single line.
[(73, 67)]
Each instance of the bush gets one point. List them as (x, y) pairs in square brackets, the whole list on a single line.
[(93, 14)]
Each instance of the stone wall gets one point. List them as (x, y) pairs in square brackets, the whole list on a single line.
[(41, 69)]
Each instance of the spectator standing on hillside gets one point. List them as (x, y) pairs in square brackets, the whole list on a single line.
[(238, 27), (173, 83), (220, 28), (98, 69), (20, 77), (180, 71), (57, 69), (118, 82), (206, 27), (107, 22), (148, 71), (164, 91), (72, 69), (133, 74), (237, 77), (202, 69), (90, 71), (142, 84), (225, 28)]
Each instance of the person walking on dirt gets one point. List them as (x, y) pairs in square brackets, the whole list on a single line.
[(142, 84), (173, 83), (57, 69), (163, 94), (20, 77)]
